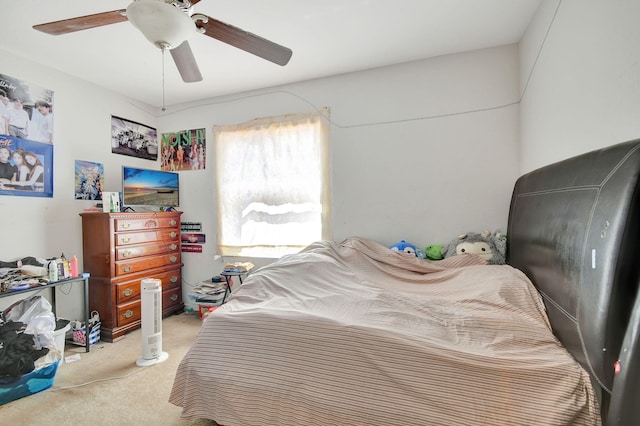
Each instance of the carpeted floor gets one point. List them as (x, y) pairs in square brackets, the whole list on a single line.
[(106, 387)]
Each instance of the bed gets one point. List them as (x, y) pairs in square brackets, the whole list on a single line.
[(352, 333)]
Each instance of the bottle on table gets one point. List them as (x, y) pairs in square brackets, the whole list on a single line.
[(53, 270)]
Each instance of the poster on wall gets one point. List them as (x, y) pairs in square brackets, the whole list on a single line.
[(192, 238), (26, 137), (191, 248), (89, 180), (26, 167), (26, 110), (183, 150), (133, 139), (191, 226)]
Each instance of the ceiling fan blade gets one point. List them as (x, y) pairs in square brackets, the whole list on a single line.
[(82, 22), (246, 41), (186, 63)]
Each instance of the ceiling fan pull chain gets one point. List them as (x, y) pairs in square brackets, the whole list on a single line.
[(163, 103)]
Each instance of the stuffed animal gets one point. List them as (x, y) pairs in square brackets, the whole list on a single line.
[(500, 240), (434, 251), (405, 247), (490, 247)]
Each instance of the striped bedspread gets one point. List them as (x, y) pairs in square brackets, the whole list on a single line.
[(353, 333)]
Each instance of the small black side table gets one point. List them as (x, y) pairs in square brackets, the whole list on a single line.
[(227, 277), (82, 278)]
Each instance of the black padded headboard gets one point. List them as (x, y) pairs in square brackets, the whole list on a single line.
[(574, 230)]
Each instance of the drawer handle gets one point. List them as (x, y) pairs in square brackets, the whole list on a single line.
[(126, 253), (173, 246), (128, 292), (128, 314), (126, 225), (173, 234), (125, 239), (174, 279), (173, 297), (173, 259), (127, 268), (173, 222)]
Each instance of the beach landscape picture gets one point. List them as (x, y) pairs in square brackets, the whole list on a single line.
[(150, 187)]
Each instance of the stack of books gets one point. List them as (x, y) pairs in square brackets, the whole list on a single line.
[(238, 267), (210, 291)]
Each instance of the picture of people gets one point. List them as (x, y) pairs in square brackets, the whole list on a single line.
[(26, 110), (183, 150), (133, 139), (26, 137), (89, 180), (8, 171), (26, 167), (30, 171)]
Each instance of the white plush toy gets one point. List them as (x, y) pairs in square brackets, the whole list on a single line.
[(490, 247)]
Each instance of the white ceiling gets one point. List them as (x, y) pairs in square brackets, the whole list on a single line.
[(327, 37)]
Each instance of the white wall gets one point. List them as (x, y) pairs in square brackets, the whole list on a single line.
[(584, 91), (47, 227), (421, 151), (82, 128)]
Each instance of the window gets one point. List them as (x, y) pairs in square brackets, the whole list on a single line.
[(272, 185)]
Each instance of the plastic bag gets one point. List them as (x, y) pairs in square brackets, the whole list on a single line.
[(37, 314)]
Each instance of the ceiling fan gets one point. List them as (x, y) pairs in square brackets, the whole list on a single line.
[(168, 24)]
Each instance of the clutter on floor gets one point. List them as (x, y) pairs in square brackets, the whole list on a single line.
[(29, 351)]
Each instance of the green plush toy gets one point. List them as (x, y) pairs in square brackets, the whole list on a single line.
[(434, 251)]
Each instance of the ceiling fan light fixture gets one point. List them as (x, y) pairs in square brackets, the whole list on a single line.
[(161, 23)]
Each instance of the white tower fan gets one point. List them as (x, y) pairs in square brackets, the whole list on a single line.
[(151, 300)]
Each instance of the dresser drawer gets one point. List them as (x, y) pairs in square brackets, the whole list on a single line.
[(128, 252), (171, 298), (128, 313), (125, 224), (164, 235), (171, 279), (128, 291), (140, 264)]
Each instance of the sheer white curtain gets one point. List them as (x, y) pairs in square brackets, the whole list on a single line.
[(273, 184)]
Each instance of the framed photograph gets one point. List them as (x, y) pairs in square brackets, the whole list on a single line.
[(89, 180), (26, 167), (133, 139)]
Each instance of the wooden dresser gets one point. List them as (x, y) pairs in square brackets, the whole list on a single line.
[(121, 249)]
